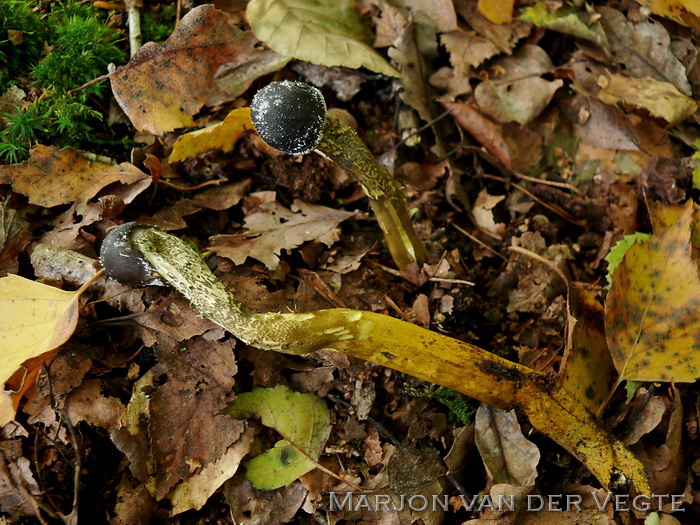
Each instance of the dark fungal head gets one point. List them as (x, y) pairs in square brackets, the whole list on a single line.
[(289, 116), (124, 263)]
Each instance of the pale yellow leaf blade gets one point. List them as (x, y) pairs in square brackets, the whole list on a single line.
[(34, 319), (323, 33), (221, 136)]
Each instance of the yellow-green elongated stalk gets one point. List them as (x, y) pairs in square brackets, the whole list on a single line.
[(395, 344), (341, 144), (291, 117)]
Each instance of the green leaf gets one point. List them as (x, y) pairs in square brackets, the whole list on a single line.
[(302, 419), (576, 24), (617, 252), (323, 33)]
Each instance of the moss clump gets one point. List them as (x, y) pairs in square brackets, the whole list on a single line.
[(81, 47), (158, 26)]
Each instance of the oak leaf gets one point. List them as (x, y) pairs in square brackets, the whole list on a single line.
[(162, 86), (652, 311), (51, 176), (275, 228)]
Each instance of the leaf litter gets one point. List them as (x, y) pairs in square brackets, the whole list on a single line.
[(567, 131)]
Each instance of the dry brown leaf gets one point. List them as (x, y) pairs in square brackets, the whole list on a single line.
[(51, 176), (163, 86), (505, 36), (172, 430), (509, 457), (483, 129), (14, 237), (275, 228), (644, 47), (483, 214), (467, 50), (518, 93)]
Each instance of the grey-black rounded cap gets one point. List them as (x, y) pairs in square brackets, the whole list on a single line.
[(289, 116), (124, 263)]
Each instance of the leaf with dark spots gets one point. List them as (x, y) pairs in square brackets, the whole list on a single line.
[(163, 86), (652, 315)]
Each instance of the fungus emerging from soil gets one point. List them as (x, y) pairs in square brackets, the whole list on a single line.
[(291, 117)]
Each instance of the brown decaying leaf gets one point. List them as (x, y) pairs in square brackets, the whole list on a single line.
[(644, 47), (262, 507), (173, 430), (163, 86), (519, 94), (505, 36), (484, 130), (275, 228), (653, 309), (14, 237), (51, 176), (509, 457), (467, 50)]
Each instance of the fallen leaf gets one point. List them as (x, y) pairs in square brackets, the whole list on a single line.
[(505, 36), (467, 50), (317, 32), (519, 94), (587, 370), (578, 24), (51, 176), (483, 214), (262, 507), (219, 136), (15, 235), (660, 99), (172, 429), (488, 133), (275, 228), (302, 419), (645, 413), (652, 318), (644, 47), (682, 11), (617, 252), (163, 86), (497, 11), (34, 320), (509, 457)]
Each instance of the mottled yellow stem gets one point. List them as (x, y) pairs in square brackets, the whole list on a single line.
[(404, 347)]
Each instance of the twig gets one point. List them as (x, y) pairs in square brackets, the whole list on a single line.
[(479, 242), (134, 16)]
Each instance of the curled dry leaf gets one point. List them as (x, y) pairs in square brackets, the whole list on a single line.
[(163, 86), (483, 214), (51, 176)]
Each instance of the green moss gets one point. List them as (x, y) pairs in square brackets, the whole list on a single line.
[(81, 46), (458, 407), (158, 27)]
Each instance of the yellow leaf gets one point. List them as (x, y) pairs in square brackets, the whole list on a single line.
[(497, 11), (652, 311), (221, 135), (684, 12), (34, 319), (323, 33), (660, 99)]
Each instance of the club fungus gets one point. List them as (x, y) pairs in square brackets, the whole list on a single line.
[(291, 117), (139, 254)]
